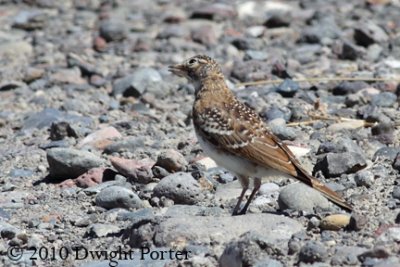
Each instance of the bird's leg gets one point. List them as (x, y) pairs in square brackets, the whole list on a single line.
[(257, 185), (236, 209), (244, 181)]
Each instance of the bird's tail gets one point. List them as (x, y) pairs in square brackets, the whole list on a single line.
[(323, 189)]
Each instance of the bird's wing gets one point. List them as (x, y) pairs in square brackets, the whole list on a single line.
[(237, 129)]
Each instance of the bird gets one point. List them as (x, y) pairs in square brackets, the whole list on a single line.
[(236, 137)]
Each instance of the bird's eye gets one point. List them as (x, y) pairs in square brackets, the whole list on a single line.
[(192, 61)]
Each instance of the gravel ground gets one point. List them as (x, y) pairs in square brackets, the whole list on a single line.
[(100, 166)]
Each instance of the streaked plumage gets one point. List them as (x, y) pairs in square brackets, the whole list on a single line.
[(235, 136)]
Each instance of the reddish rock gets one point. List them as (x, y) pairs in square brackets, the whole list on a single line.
[(100, 138), (99, 44), (136, 170), (90, 178)]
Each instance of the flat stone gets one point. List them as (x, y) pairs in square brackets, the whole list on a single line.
[(298, 196), (118, 197), (205, 229), (67, 163)]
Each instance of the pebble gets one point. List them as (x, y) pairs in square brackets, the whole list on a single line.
[(127, 144), (101, 138), (242, 252), (48, 116), (288, 88), (102, 230), (112, 30), (172, 161), (335, 222), (180, 187), (141, 81), (364, 178), (300, 197), (336, 164), (139, 171), (385, 99), (118, 197), (204, 229), (346, 87), (370, 33), (67, 163), (313, 252)]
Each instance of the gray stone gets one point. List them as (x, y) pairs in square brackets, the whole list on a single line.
[(252, 248), (141, 81), (101, 230), (68, 163), (364, 178), (369, 33), (180, 187), (339, 145), (185, 210), (389, 153), (257, 55), (172, 161), (48, 116), (346, 87), (336, 164), (346, 256), (313, 251), (298, 196), (205, 229), (127, 144), (118, 197), (288, 88), (112, 30), (30, 20), (396, 192), (385, 99)]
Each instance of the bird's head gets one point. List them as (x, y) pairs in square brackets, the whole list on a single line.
[(197, 68)]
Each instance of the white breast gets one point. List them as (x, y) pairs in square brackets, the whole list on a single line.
[(237, 165)]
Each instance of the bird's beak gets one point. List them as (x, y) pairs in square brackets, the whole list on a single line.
[(178, 70)]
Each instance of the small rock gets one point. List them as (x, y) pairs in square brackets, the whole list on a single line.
[(30, 20), (205, 229), (256, 55), (48, 116), (141, 81), (127, 144), (67, 163), (100, 138), (137, 170), (298, 196), (216, 11), (370, 33), (346, 256), (172, 161), (335, 222), (118, 197), (396, 192), (357, 222), (346, 87), (251, 248), (313, 251), (349, 51), (364, 178), (60, 130), (112, 30), (389, 153), (336, 164), (385, 99), (279, 19), (181, 187), (204, 34), (288, 88), (102, 230)]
